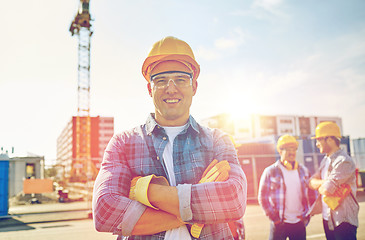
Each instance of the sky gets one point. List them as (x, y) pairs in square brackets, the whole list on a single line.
[(275, 57)]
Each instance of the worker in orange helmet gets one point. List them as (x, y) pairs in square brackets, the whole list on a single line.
[(283, 193), (170, 178), (336, 182)]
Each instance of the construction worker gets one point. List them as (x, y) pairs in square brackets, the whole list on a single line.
[(170, 178), (283, 193), (336, 183), (237, 227)]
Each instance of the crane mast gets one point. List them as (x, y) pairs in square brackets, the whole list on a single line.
[(81, 27)]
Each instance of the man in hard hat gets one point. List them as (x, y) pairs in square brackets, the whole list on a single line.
[(171, 177), (283, 193), (335, 174)]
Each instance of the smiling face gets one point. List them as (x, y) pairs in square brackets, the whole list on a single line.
[(172, 103), (325, 145), (288, 154)]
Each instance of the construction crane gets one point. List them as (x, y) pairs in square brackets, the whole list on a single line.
[(82, 167)]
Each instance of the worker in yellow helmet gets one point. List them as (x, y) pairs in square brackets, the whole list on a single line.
[(170, 178), (336, 182), (283, 193)]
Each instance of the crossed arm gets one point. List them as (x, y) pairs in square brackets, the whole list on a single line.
[(166, 198), (316, 183), (153, 221), (343, 169), (115, 212)]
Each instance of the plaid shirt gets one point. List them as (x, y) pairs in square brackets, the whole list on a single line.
[(127, 156), (341, 170), (272, 191)]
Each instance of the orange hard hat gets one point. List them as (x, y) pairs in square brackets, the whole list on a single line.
[(170, 49), (327, 129), (287, 140)]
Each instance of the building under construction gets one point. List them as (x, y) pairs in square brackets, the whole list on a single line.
[(73, 168), (81, 144)]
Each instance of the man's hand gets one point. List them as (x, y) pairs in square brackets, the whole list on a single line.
[(132, 190), (315, 183), (154, 221), (277, 222), (215, 172), (323, 191), (165, 198), (335, 199), (140, 187), (155, 193)]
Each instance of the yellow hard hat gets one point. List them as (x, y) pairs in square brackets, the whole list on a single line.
[(327, 129), (286, 140), (170, 49)]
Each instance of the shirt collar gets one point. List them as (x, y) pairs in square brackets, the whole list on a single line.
[(335, 154), (277, 163), (151, 124)]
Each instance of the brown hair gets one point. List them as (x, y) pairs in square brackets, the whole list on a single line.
[(337, 140)]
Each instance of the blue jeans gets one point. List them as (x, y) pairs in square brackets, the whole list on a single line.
[(294, 231), (344, 231)]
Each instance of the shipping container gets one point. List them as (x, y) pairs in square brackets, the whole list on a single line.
[(359, 153), (311, 155), (309, 159), (254, 158), (256, 155), (345, 144)]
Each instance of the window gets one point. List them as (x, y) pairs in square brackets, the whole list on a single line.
[(286, 121), (30, 170)]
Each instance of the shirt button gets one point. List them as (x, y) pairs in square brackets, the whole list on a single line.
[(164, 138)]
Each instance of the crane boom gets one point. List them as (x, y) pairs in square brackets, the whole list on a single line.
[(81, 27)]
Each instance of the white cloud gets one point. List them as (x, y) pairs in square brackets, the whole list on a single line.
[(328, 81), (269, 5), (203, 52), (224, 43), (235, 40), (263, 9)]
